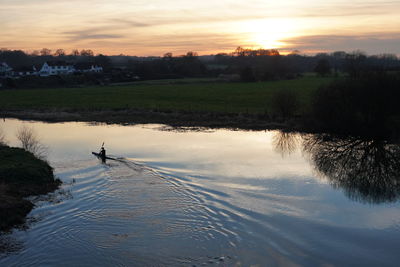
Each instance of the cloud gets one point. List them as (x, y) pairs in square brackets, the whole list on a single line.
[(187, 19), (139, 26), (130, 23), (349, 9), (169, 42), (89, 34), (371, 43)]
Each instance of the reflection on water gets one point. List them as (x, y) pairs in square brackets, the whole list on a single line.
[(286, 142), (213, 198), (9, 245), (366, 170)]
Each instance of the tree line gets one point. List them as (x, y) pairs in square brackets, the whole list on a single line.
[(242, 64)]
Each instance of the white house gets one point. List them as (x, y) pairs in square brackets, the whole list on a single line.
[(5, 70), (56, 68), (87, 67), (25, 71)]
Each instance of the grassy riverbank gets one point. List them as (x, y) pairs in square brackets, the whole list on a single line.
[(253, 98), (203, 104), (21, 175)]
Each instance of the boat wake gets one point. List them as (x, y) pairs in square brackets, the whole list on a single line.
[(129, 213)]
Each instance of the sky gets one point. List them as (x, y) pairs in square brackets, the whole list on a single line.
[(154, 27)]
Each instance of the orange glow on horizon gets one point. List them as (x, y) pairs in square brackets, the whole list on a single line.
[(270, 33), (154, 27)]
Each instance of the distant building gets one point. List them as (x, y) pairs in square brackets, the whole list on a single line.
[(48, 69), (84, 67), (56, 68), (25, 71), (5, 70)]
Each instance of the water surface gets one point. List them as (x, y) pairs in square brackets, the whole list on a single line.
[(220, 197)]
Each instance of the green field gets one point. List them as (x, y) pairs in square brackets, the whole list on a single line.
[(196, 96)]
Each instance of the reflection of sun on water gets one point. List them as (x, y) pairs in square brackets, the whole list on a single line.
[(270, 33)]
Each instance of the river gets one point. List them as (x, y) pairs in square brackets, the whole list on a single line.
[(194, 197)]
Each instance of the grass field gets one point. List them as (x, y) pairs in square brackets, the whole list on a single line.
[(212, 96)]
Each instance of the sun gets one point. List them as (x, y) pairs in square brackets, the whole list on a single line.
[(269, 33)]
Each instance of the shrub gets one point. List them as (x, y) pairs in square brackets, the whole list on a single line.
[(285, 103), (30, 142), (19, 166), (362, 106)]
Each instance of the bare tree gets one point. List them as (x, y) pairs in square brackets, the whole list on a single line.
[(45, 52), (192, 54), (87, 53), (75, 52), (30, 142), (355, 63), (35, 53), (239, 51), (285, 103), (168, 55), (59, 52)]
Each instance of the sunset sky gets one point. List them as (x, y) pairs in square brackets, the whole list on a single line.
[(153, 27)]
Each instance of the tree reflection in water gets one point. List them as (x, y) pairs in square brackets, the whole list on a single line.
[(286, 142), (366, 170)]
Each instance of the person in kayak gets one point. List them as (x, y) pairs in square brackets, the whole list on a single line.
[(102, 154)]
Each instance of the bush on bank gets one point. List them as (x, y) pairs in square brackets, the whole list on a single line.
[(368, 105), (21, 175)]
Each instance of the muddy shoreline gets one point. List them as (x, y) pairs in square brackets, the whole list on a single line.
[(243, 121)]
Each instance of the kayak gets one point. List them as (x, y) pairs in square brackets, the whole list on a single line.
[(98, 155)]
